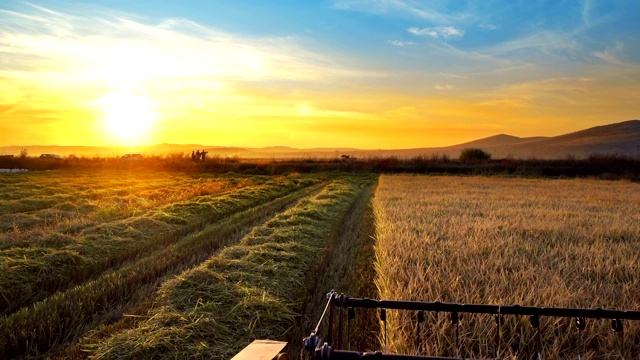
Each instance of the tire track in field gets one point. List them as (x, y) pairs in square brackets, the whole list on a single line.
[(66, 316), (58, 270)]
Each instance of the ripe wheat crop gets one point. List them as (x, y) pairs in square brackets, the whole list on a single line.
[(561, 243)]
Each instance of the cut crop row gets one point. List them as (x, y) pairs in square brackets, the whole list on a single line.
[(347, 267), (31, 274), (89, 184), (65, 316), (252, 290), (72, 206)]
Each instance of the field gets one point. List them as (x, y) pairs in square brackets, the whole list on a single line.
[(79, 249), (563, 243), (140, 263)]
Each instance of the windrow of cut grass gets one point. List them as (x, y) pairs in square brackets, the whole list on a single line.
[(252, 290), (65, 316), (71, 200), (32, 273), (556, 243), (347, 267)]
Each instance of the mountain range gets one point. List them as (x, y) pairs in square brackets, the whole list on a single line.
[(619, 138)]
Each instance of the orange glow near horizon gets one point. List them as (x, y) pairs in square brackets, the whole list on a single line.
[(366, 121)]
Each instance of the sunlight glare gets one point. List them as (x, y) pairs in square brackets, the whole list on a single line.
[(127, 116)]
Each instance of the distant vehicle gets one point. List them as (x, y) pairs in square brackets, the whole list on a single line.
[(50, 156), (131, 157)]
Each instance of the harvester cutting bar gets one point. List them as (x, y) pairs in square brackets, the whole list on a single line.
[(326, 353), (347, 302), (345, 305)]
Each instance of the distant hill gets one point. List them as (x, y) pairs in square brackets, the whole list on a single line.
[(502, 140), (36, 150), (619, 138)]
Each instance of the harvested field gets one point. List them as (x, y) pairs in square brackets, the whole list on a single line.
[(38, 265), (251, 290), (563, 243), (195, 266), (68, 284)]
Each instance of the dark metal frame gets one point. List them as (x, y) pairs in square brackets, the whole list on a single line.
[(326, 351)]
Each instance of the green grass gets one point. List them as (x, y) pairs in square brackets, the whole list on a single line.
[(65, 316), (255, 289), (49, 201), (35, 268)]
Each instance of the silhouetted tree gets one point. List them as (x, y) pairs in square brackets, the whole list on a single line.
[(474, 154)]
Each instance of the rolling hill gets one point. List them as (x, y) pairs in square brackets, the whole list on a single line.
[(619, 138)]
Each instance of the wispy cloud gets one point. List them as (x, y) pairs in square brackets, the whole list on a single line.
[(108, 47), (488, 26), (59, 58), (445, 32), (401, 43), (567, 90), (416, 9), (451, 75), (443, 87), (610, 54), (547, 43), (183, 63), (58, 62), (586, 9)]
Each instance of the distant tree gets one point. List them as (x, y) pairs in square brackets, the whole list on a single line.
[(24, 153), (474, 154)]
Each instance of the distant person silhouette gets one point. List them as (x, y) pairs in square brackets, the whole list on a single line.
[(198, 155), (204, 154), (193, 155)]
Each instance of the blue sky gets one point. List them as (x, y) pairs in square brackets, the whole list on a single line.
[(366, 73)]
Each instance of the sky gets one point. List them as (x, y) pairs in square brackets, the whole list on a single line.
[(370, 74)]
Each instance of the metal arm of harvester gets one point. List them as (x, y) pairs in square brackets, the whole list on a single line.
[(343, 307)]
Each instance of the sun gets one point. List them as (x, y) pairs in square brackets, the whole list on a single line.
[(127, 117)]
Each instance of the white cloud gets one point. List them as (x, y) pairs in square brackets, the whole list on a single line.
[(51, 59), (443, 87), (437, 32), (586, 11), (610, 54), (543, 42), (451, 75), (417, 9), (488, 26), (112, 49), (401, 43)]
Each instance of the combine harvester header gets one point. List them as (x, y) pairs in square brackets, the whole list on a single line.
[(339, 311)]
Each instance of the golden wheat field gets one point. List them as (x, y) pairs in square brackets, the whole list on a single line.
[(534, 242)]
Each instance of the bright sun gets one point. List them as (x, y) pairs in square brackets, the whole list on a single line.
[(128, 117)]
